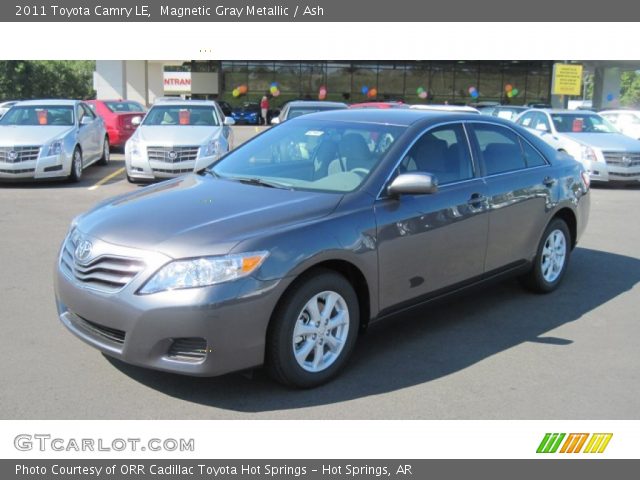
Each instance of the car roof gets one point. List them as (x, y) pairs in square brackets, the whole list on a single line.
[(445, 108), (379, 105), (620, 110), (390, 116), (315, 103), (562, 110), (59, 102), (205, 103)]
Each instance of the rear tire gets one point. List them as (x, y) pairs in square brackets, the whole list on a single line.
[(309, 342), (76, 166), (552, 258), (106, 153)]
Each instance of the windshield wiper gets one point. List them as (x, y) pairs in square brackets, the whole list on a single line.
[(260, 182), (208, 171)]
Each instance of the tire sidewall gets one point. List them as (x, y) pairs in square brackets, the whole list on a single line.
[(285, 320), (542, 283), (77, 155), (106, 152)]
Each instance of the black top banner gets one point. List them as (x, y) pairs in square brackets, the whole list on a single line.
[(318, 11)]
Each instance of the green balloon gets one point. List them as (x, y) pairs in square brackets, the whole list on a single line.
[(514, 91)]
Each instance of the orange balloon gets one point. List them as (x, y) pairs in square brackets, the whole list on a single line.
[(373, 92), (242, 89), (508, 87)]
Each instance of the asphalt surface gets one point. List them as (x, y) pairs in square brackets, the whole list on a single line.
[(497, 353)]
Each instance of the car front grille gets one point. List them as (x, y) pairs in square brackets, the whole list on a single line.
[(107, 273), (172, 154), (174, 171), (112, 334), (19, 154), (15, 172), (624, 175), (188, 349), (622, 159)]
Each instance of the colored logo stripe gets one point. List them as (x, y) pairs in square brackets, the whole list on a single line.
[(575, 441), (550, 443), (598, 442)]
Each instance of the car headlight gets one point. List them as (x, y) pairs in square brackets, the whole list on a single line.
[(55, 148), (588, 154), (203, 271), (212, 149), (133, 147)]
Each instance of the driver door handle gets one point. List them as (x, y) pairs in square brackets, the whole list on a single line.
[(477, 198), (549, 181)]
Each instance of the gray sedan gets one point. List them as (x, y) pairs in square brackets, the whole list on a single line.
[(283, 250), (43, 139)]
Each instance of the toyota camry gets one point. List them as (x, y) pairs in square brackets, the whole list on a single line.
[(280, 252)]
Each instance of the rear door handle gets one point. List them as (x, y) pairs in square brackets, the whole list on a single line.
[(476, 199), (548, 181)]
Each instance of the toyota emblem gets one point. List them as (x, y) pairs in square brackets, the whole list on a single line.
[(83, 250), (12, 156)]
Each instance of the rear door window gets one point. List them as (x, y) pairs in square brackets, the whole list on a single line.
[(499, 147)]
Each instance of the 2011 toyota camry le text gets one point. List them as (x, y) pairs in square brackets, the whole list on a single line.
[(281, 251)]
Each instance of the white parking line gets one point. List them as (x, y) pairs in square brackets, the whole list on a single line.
[(106, 179)]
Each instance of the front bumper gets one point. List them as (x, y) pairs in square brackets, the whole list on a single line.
[(43, 167), (141, 168), (602, 172), (232, 319)]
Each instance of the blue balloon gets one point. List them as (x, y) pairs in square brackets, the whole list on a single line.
[(364, 89), (610, 97)]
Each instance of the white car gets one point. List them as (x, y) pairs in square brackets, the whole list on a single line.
[(51, 139), (177, 137), (5, 106), (607, 154), (627, 121)]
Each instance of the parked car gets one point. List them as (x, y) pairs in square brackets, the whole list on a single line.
[(248, 114), (508, 112), (51, 138), (281, 251), (225, 107), (177, 137), (5, 106), (607, 154), (627, 121), (117, 116), (298, 108), (445, 108)]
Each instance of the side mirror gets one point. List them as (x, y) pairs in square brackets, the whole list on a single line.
[(413, 184), (228, 121), (136, 121), (275, 121), (86, 120)]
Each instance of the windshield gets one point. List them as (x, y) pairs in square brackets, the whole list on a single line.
[(581, 123), (299, 111), (41, 115), (172, 115), (311, 155), (124, 107)]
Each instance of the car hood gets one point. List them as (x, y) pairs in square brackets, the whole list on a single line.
[(16, 135), (606, 141), (166, 135), (198, 215)]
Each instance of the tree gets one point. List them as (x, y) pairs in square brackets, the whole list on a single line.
[(630, 89), (25, 79)]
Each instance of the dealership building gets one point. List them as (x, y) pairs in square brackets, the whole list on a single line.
[(454, 82)]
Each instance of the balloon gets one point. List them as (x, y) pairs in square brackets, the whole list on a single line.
[(235, 92), (322, 94), (610, 97), (273, 89), (508, 87), (423, 94), (372, 93), (514, 92), (510, 93), (475, 94), (419, 90), (274, 85), (471, 90), (364, 89), (242, 89), (276, 93)]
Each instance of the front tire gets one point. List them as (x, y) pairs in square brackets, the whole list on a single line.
[(106, 153), (76, 166), (552, 258), (313, 331)]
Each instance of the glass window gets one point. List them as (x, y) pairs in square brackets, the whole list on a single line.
[(339, 81), (441, 86), (527, 120), (364, 75), (500, 148), (490, 82), (417, 76), (581, 123), (541, 122), (532, 157), (39, 115), (443, 152), (312, 77), (311, 155), (126, 106), (466, 76), (181, 115), (260, 77), (87, 111), (391, 81), (288, 77)]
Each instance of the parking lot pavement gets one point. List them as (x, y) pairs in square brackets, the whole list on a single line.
[(500, 353)]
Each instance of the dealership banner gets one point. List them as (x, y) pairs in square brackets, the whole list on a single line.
[(314, 11), (327, 469)]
